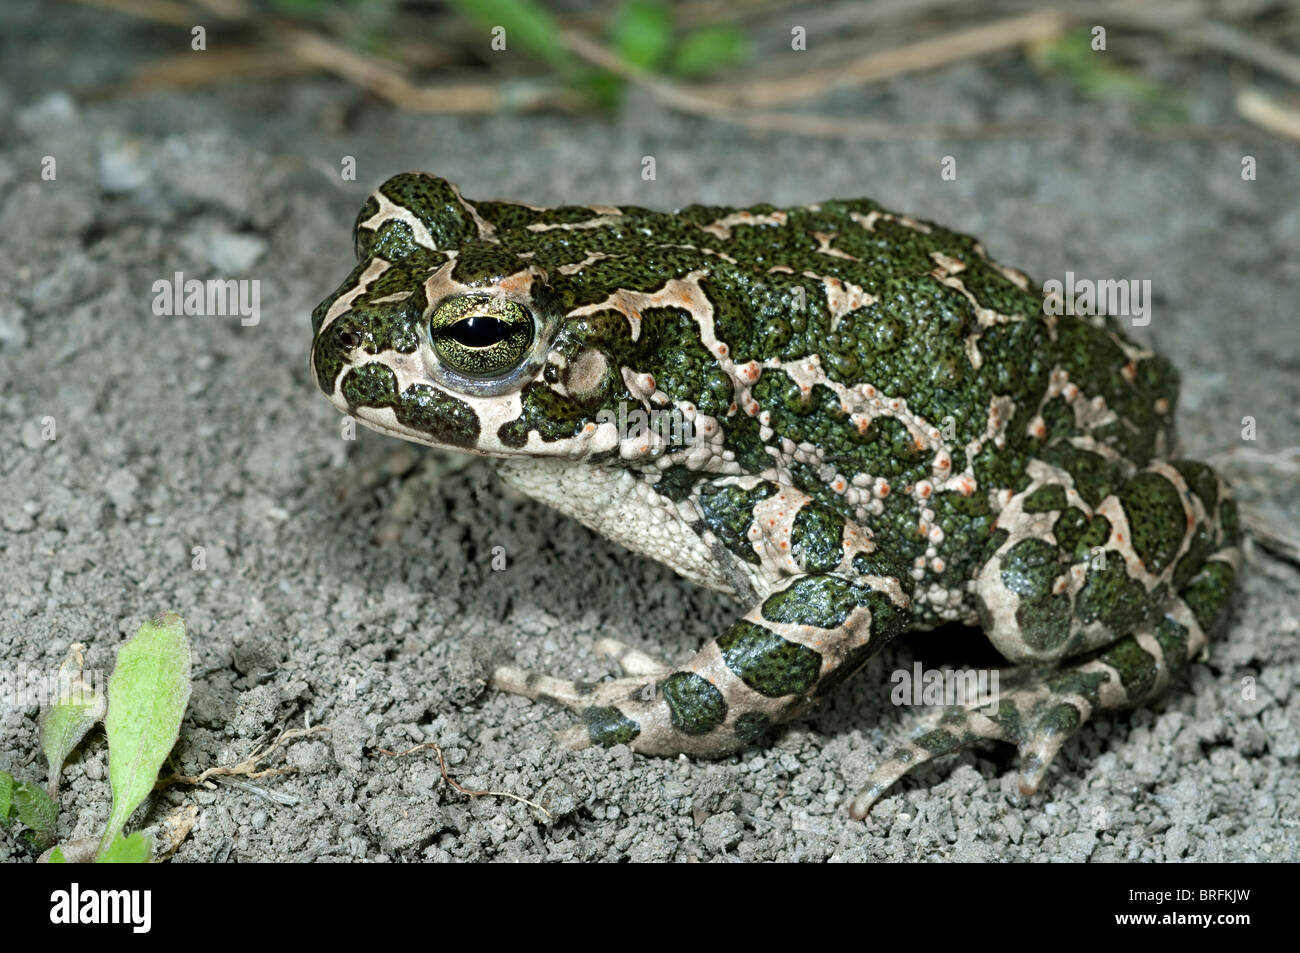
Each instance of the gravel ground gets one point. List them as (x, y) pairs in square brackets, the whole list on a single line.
[(350, 585)]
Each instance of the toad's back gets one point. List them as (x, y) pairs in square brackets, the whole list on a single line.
[(882, 365)]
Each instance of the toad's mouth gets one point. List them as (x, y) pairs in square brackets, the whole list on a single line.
[(384, 420)]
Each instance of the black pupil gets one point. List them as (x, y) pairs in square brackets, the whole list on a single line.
[(479, 331)]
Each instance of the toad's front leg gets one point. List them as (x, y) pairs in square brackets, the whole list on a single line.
[(788, 650)]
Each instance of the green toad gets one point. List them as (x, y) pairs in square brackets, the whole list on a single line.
[(875, 428)]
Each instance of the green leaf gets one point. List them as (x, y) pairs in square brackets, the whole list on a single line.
[(526, 23), (642, 33), (6, 795), (1098, 75), (147, 695), (36, 810), (709, 48), (603, 89), (77, 707), (136, 849), (56, 857)]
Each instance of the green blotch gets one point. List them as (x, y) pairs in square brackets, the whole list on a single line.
[(778, 391), (1209, 594), (362, 238), (1076, 682), (318, 313), (967, 523), (370, 385), (784, 309), (382, 327), (877, 564), (996, 541), (766, 662), (1139, 429), (433, 202), (1155, 517), (1018, 358), (507, 215), (553, 415), (1137, 667), (751, 726), (817, 537), (1201, 480), (1030, 566), (809, 481), (1198, 551), (372, 324), (728, 512), (899, 443), (608, 726), (669, 348), (742, 437), (1007, 717), (939, 741), (1059, 719), (397, 280), (481, 263), (695, 706), (1172, 638), (326, 360), (1077, 534), (1003, 467), (913, 315), (1109, 596), (392, 241), (1045, 499), (676, 483), (606, 331), (825, 602), (1044, 621), (447, 420), (1094, 477)]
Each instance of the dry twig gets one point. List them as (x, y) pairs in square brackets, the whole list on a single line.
[(1267, 113), (442, 766), (248, 767), (994, 37)]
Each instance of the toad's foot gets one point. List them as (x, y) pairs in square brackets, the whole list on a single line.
[(1039, 710), (766, 668), (1037, 716)]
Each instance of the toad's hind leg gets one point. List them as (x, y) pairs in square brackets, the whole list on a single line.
[(788, 650), (1037, 709)]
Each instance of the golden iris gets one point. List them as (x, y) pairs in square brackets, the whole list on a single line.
[(481, 335)]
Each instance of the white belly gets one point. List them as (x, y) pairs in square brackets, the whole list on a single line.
[(621, 506)]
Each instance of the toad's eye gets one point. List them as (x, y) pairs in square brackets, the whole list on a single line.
[(481, 336)]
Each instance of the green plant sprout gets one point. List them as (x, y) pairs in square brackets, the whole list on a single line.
[(641, 35), (146, 700), (30, 805), (1098, 77)]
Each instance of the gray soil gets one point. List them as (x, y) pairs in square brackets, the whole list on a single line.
[(349, 584)]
